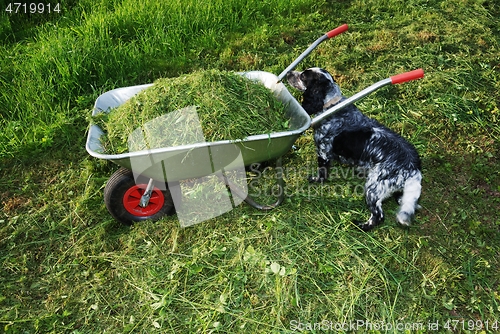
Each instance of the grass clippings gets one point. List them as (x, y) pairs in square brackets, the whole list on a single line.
[(227, 105)]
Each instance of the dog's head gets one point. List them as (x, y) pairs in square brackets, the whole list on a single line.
[(318, 88)]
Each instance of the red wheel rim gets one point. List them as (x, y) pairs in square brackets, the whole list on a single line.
[(132, 198)]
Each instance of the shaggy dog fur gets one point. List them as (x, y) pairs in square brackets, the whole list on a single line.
[(391, 164)]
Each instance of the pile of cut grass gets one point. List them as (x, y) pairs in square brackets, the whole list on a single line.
[(226, 105)]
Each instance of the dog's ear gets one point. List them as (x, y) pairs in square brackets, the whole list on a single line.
[(316, 76), (315, 83), (309, 78), (318, 86), (313, 99)]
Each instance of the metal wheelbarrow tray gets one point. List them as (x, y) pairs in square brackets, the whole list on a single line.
[(256, 148), (149, 171)]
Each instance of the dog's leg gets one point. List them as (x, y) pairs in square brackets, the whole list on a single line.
[(374, 203), (376, 191), (398, 196), (323, 168), (411, 194)]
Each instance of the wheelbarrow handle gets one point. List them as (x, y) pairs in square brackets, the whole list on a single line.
[(396, 79), (328, 35), (408, 76), (337, 31)]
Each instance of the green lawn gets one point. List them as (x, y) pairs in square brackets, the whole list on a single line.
[(68, 267)]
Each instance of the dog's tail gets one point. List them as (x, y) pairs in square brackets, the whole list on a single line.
[(409, 200)]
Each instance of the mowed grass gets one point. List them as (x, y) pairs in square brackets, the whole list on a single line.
[(67, 266)]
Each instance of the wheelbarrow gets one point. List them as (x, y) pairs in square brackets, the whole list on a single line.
[(147, 184)]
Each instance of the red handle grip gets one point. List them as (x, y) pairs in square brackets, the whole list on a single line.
[(408, 76), (337, 31)]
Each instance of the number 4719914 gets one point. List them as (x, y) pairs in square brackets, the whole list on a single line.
[(32, 8)]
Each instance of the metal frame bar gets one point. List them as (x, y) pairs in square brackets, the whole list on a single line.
[(249, 200)]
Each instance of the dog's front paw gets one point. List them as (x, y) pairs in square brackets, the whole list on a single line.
[(364, 226), (316, 179)]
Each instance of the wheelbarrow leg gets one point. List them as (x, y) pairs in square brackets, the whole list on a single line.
[(249, 200)]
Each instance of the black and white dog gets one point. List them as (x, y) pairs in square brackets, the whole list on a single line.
[(391, 164)]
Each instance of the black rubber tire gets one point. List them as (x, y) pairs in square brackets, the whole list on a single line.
[(116, 188)]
